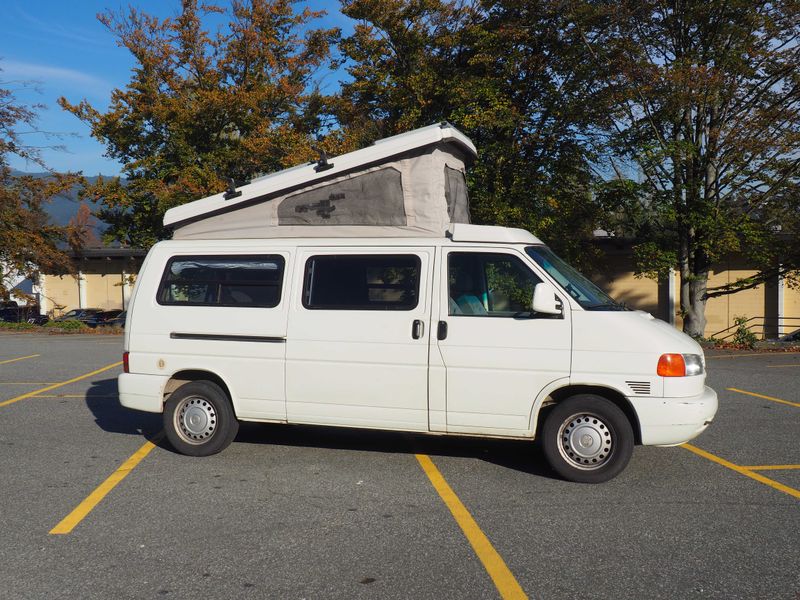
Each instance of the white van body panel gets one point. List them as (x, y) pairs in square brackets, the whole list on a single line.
[(364, 368), (172, 339), (620, 349), (359, 368)]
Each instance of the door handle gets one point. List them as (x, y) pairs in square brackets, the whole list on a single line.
[(441, 332), (417, 329)]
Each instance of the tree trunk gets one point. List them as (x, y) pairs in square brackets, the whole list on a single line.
[(694, 309), (694, 267)]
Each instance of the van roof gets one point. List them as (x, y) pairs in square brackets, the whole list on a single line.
[(230, 214), (462, 232), (457, 233)]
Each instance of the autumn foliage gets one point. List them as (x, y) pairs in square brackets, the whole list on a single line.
[(29, 243), (203, 107)]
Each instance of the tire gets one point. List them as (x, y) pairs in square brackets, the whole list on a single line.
[(199, 419), (587, 439)]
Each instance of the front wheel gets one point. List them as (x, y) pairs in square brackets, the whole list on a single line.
[(199, 419), (587, 439)]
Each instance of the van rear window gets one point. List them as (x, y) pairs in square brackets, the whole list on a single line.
[(361, 282), (222, 281)]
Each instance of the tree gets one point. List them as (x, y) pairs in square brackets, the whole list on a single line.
[(80, 230), (202, 108), (501, 72), (703, 103), (29, 243)]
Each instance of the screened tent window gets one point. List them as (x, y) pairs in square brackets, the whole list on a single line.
[(356, 282), (455, 193), (374, 198), (222, 281), (489, 284)]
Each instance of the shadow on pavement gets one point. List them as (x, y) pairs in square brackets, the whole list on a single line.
[(524, 456), (103, 400)]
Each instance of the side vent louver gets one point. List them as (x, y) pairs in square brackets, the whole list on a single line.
[(640, 388)]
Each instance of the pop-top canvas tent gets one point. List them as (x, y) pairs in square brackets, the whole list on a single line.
[(410, 184)]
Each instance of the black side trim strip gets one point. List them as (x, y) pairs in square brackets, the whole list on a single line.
[(227, 338)]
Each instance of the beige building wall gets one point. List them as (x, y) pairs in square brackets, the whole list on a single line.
[(791, 309), (61, 291), (618, 281), (103, 290), (721, 311), (102, 284)]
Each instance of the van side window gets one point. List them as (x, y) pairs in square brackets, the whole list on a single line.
[(360, 282), (222, 281), (489, 284)]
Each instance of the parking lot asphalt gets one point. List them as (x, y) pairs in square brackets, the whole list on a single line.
[(311, 512)]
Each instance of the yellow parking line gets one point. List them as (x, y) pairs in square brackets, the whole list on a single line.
[(753, 354), (772, 467), (3, 362), (58, 385), (743, 471), (764, 397), (782, 366), (69, 522), (76, 396), (502, 577)]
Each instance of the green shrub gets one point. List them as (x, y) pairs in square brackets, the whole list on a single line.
[(16, 326), (66, 325), (743, 336)]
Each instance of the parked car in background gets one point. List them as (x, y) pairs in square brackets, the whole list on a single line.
[(101, 318), (11, 313), (793, 337), (79, 314), (118, 321), (36, 319)]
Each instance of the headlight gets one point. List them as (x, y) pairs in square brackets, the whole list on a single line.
[(694, 364), (679, 365)]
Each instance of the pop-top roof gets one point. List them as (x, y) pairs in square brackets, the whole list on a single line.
[(414, 181)]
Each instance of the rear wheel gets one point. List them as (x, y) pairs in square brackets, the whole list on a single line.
[(199, 419), (587, 439)]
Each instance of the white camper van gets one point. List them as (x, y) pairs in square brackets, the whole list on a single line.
[(353, 292)]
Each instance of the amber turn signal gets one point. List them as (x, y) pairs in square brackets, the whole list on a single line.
[(671, 365)]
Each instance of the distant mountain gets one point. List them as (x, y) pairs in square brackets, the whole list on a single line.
[(64, 206)]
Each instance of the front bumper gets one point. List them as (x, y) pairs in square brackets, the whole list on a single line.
[(673, 421)]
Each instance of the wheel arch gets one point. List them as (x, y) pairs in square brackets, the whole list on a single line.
[(554, 396), (179, 378)]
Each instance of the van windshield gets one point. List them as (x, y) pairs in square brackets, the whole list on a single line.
[(585, 293)]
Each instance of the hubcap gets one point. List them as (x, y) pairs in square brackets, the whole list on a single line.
[(195, 420), (585, 441)]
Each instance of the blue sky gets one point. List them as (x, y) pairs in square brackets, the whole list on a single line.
[(54, 48)]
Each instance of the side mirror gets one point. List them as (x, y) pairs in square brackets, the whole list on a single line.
[(545, 300)]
